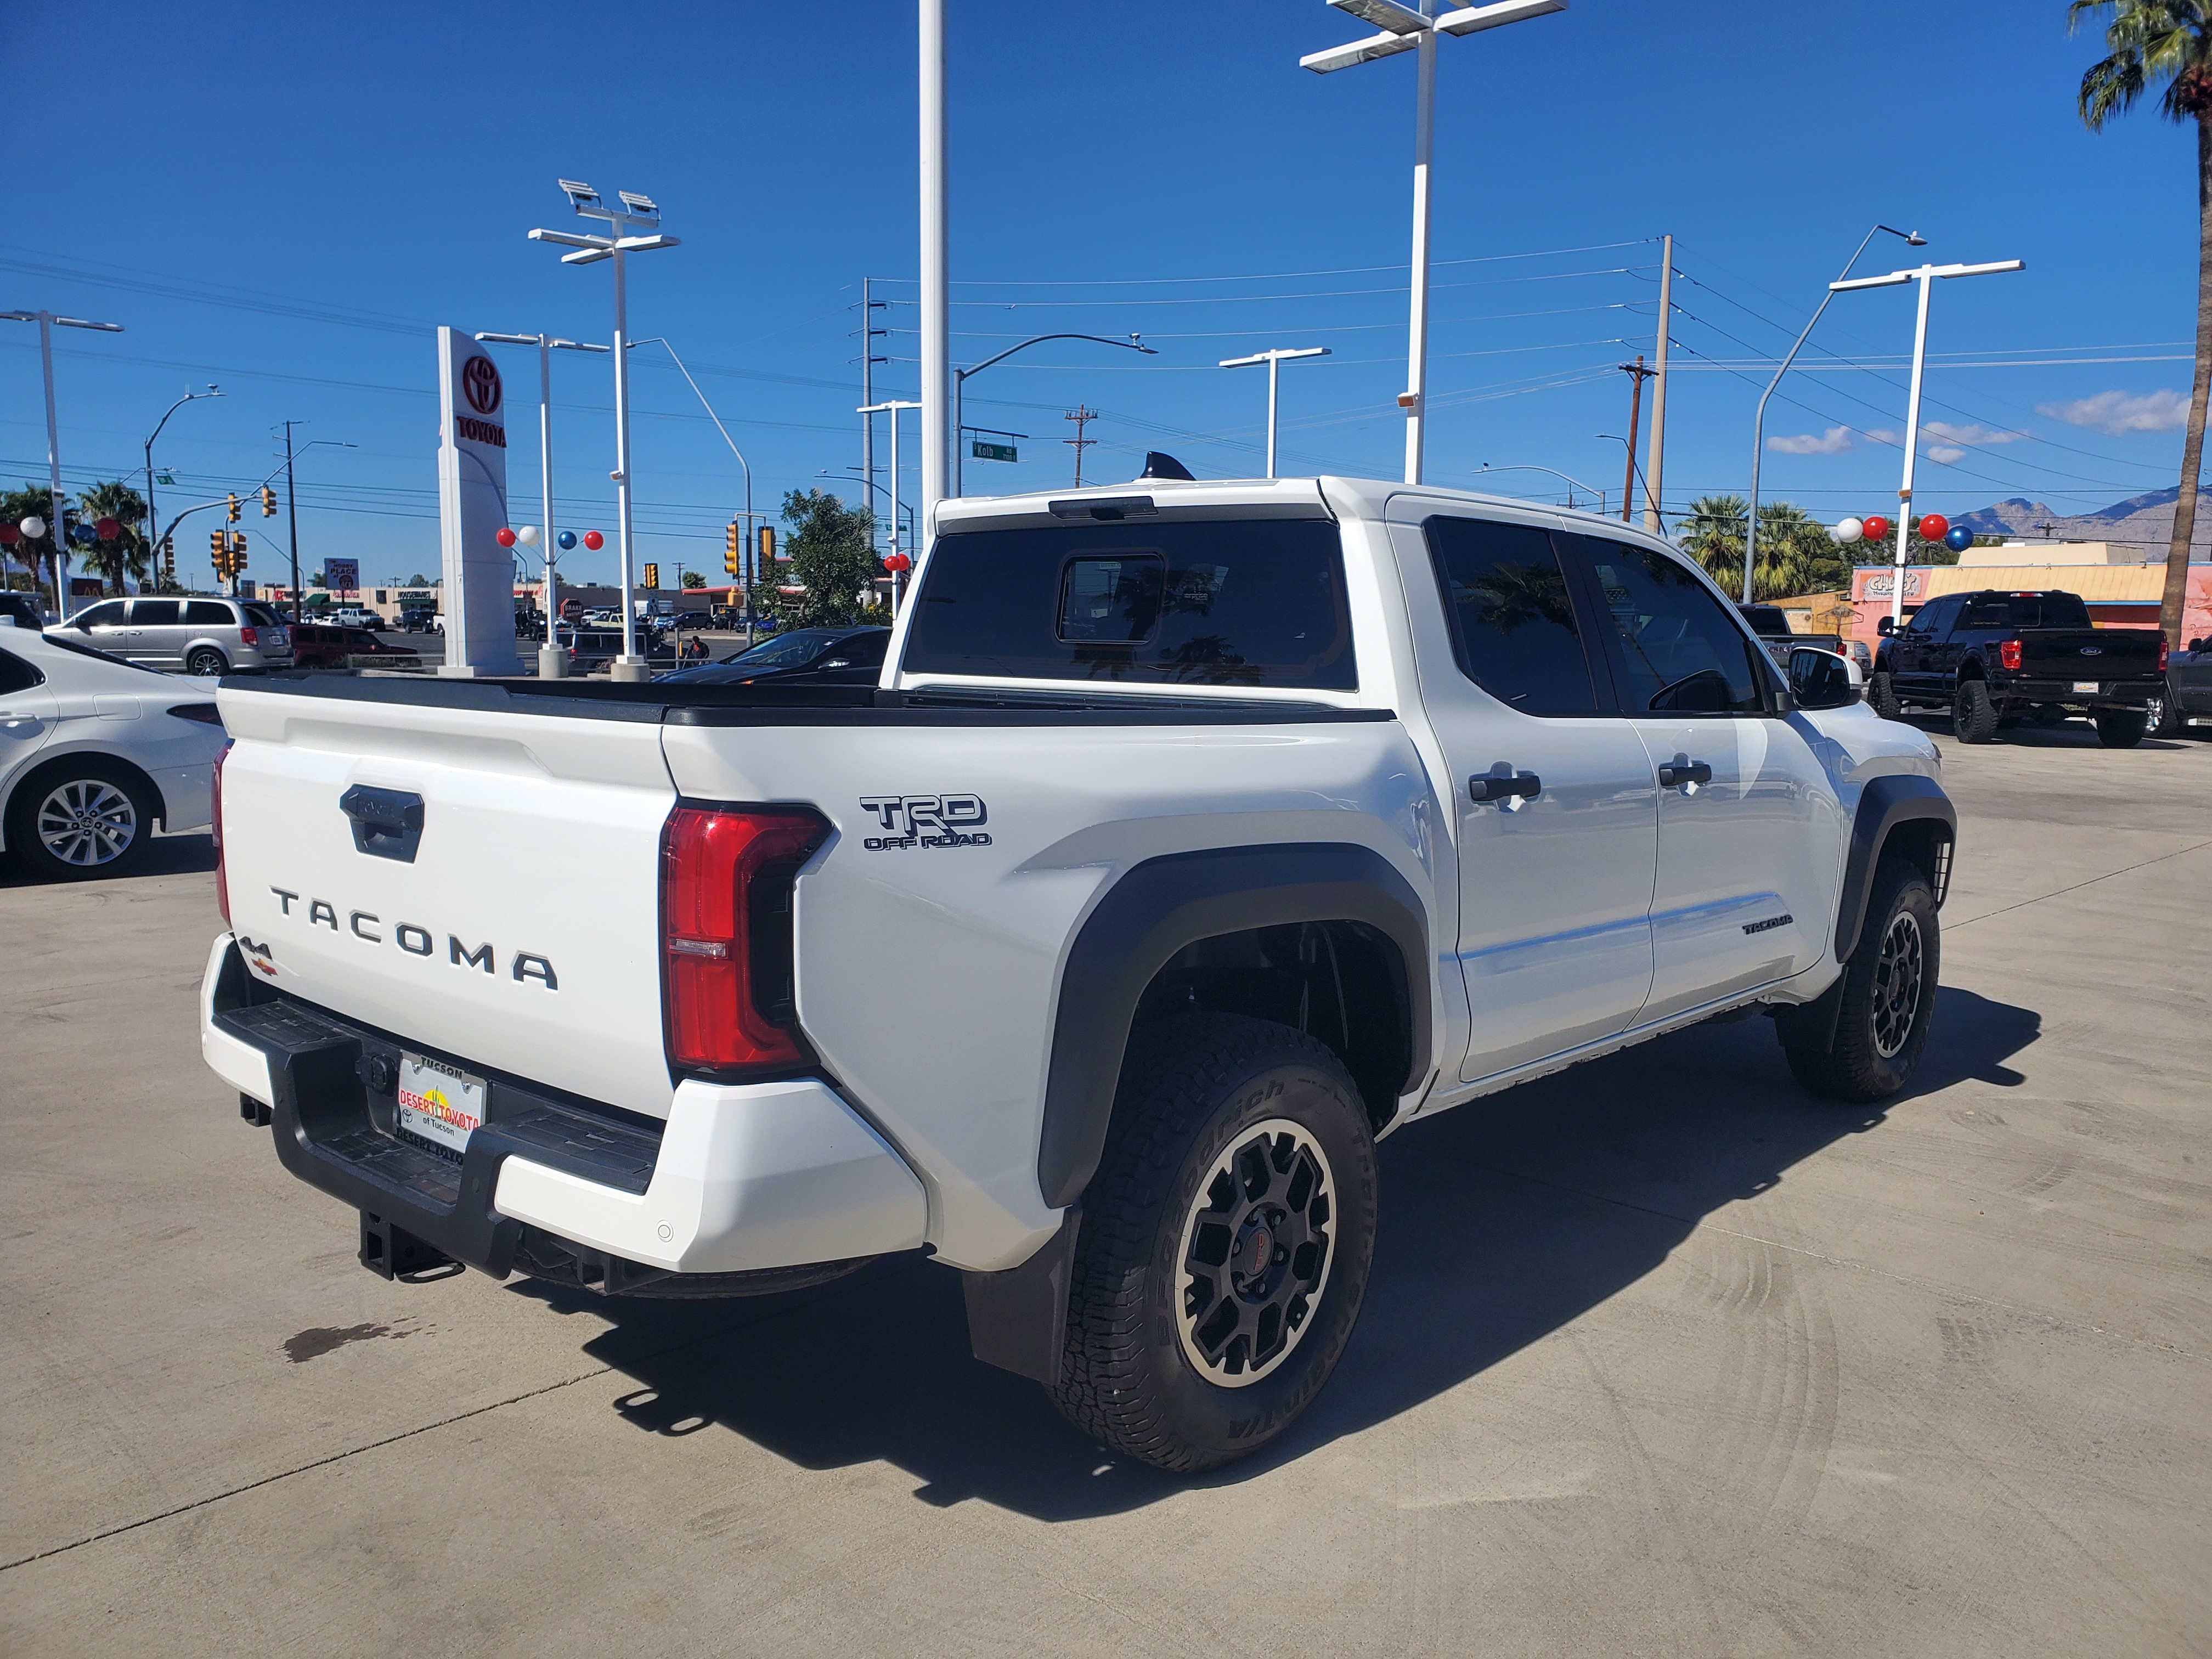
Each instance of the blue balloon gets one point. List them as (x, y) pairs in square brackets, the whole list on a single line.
[(567, 540), (82, 533), (1958, 538)]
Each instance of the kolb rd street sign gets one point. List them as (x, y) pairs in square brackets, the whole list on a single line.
[(984, 450)]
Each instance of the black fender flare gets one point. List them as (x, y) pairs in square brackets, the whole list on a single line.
[(1885, 802), (1166, 903)]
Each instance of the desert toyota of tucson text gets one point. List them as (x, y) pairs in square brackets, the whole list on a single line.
[(1194, 836)]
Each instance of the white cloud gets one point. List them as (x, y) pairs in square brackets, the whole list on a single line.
[(2120, 412), (1969, 433), (1946, 453), (1883, 435), (1834, 441)]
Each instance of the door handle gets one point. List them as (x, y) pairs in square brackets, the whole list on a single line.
[(1673, 773), (1528, 785)]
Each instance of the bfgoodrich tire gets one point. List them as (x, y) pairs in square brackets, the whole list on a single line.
[(1225, 1244), (1889, 993), (1973, 715), (2121, 728)]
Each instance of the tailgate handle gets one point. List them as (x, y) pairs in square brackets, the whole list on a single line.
[(387, 824)]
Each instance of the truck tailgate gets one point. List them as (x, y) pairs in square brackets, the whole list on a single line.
[(2104, 654), (519, 930)]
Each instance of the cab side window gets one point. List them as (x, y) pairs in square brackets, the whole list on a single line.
[(1512, 615), (1677, 650), (1930, 619)]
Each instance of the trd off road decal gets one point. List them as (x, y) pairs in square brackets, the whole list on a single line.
[(926, 821)]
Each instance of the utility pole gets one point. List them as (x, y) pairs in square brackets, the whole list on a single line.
[(1082, 417), (1637, 375), (869, 306), (1656, 463)]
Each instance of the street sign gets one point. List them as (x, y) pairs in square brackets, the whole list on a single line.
[(342, 576), (165, 480), (983, 449)]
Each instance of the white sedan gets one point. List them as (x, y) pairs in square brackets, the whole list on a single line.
[(93, 751)]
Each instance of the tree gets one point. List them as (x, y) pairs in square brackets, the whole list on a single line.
[(1795, 553), (690, 578), (2148, 42), (830, 557), (32, 502), (130, 554)]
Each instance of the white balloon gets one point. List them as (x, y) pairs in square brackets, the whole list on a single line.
[(527, 535), (34, 526), (1848, 531)]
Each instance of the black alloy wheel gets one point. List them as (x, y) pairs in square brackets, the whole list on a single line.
[(1973, 714), (1887, 997)]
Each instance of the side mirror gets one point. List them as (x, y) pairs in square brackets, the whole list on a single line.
[(1821, 679), (1885, 627)]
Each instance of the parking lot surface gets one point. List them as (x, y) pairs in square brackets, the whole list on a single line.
[(1659, 1356)]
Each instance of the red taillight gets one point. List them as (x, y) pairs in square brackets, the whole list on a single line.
[(2161, 656), (247, 636), (2009, 653), (215, 817), (725, 891)]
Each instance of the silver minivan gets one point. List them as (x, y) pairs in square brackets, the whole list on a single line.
[(196, 635)]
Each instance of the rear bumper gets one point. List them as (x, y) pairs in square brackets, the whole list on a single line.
[(737, 1179), (2109, 694)]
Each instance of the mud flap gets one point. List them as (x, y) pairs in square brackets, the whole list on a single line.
[(1017, 1319)]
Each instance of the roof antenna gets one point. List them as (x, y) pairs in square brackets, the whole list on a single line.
[(1159, 465)]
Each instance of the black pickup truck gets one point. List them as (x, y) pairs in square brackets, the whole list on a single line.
[(1991, 657)]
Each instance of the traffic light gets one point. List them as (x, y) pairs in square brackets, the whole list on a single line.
[(767, 545), (234, 507), (168, 561), (652, 575), (734, 549), (268, 502), (219, 551), (238, 553)]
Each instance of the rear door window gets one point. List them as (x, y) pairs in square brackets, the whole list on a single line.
[(154, 613), (208, 613), (1206, 602), (1512, 616)]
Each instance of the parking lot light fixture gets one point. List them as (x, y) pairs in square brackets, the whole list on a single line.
[(1911, 239), (1275, 360), (152, 519), (551, 664), (1926, 275), (47, 322), (633, 227), (1405, 29), (892, 409)]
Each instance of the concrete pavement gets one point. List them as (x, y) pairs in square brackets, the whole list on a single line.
[(1659, 1356)]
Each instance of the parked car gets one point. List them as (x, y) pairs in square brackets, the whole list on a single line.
[(690, 621), (2183, 704), (351, 615), (93, 752), (1771, 623), (1993, 657), (324, 645), (591, 647), (1203, 833), (419, 619), (199, 636), (806, 656)]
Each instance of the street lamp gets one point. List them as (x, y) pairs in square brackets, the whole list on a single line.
[(1405, 29), (749, 516), (960, 378), (292, 501), (1573, 484), (1925, 275), (1635, 473), (1274, 360), (637, 213), (551, 664), (153, 520), (47, 321), (892, 408), (1912, 239)]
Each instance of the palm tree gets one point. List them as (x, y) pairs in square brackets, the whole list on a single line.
[(129, 554), (1711, 532), (2149, 43)]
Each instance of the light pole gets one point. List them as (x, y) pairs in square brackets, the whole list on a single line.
[(551, 664), (1274, 359), (1573, 484), (1405, 29), (960, 379), (1912, 239), (292, 501), (892, 408), (1635, 475), (1926, 277), (47, 321), (749, 516), (936, 294), (637, 213), (153, 520)]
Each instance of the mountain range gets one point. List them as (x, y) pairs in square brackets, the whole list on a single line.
[(2145, 522)]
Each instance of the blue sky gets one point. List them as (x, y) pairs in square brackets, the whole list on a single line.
[(287, 200)]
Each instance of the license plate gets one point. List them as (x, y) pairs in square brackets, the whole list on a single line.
[(442, 1105), (2091, 686)]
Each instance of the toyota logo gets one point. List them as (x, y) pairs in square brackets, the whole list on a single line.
[(480, 382)]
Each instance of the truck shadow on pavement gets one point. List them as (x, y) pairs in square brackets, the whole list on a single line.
[(1501, 1221)]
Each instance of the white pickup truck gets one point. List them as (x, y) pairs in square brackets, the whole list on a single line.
[(1196, 835)]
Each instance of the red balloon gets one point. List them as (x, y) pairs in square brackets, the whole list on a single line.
[(1877, 528), (593, 540), (10, 535), (109, 529), (1933, 527), (898, 562), (506, 537)]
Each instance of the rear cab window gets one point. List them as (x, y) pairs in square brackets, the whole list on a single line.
[(1230, 603), (1512, 615), (2026, 611)]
